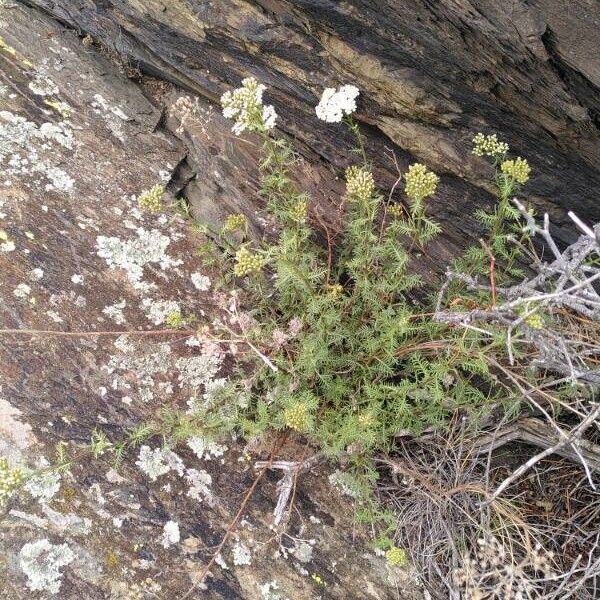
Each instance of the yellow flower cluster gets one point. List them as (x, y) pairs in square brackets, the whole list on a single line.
[(296, 416), (175, 320), (420, 182), (535, 321), (151, 200), (246, 262), (299, 211), (488, 145), (10, 480), (359, 182), (235, 222), (395, 210), (335, 289), (396, 557), (366, 420), (518, 169)]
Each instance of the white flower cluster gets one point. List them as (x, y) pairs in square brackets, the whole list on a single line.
[(245, 106), (334, 104), (41, 562)]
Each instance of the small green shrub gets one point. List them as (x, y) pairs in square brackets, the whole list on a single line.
[(342, 352)]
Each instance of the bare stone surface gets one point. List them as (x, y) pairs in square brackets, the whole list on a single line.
[(78, 142)]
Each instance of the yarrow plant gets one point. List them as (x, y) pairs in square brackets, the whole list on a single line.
[(332, 345), (364, 362), (503, 224)]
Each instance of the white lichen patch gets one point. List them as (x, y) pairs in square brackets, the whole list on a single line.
[(201, 282), (205, 449), (54, 316), (143, 364), (43, 86), (44, 486), (171, 534), (157, 311), (149, 247), (159, 461), (100, 103), (115, 312), (69, 522), (345, 483), (303, 551), (219, 560), (23, 144), (41, 562), (241, 554), (200, 482), (268, 591), (16, 435), (22, 291), (121, 590), (199, 370)]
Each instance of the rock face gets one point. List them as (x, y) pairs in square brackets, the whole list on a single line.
[(78, 142), (431, 74), (80, 139)]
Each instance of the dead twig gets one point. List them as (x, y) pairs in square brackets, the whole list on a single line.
[(291, 470)]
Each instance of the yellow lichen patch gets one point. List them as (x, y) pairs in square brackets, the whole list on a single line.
[(111, 559), (64, 110), (6, 48)]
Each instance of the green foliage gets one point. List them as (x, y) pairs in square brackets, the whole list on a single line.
[(365, 362), (503, 226)]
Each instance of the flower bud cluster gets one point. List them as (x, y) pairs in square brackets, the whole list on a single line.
[(359, 183), (396, 557), (235, 222), (299, 211), (247, 263), (10, 480), (518, 169), (296, 416), (488, 145), (151, 200), (420, 182)]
